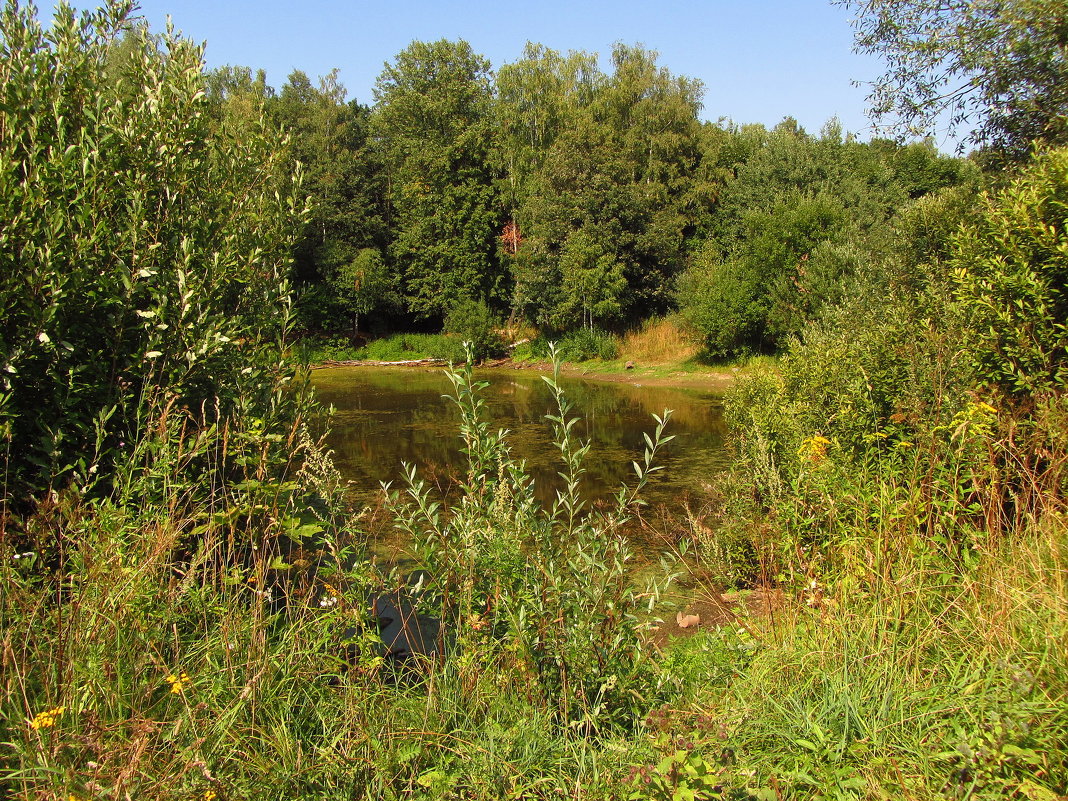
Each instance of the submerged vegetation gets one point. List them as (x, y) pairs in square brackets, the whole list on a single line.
[(187, 605)]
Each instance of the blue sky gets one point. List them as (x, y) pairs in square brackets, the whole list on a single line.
[(759, 59)]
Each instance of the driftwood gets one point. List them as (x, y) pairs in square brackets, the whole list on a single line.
[(365, 363)]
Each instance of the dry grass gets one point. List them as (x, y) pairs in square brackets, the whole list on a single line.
[(659, 341)]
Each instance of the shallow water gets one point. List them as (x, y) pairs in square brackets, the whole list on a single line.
[(386, 416)]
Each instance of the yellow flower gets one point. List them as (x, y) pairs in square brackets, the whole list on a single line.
[(178, 682), (814, 448), (45, 720), (209, 795)]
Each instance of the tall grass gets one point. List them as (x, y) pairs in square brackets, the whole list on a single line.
[(921, 681), (172, 645), (659, 340)]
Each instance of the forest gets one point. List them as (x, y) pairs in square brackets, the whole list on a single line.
[(188, 602), (553, 194)]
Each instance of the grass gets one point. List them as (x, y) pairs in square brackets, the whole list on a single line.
[(658, 341), (395, 348), (153, 652)]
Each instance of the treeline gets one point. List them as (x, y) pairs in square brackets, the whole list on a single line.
[(560, 195)]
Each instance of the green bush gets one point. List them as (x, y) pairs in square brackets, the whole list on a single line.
[(409, 347), (1011, 271), (587, 343), (472, 321), (542, 595), (722, 303), (537, 348), (146, 245)]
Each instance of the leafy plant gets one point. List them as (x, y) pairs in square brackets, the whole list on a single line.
[(473, 322), (147, 245), (1011, 277), (544, 594)]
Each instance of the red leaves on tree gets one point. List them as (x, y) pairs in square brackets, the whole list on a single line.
[(511, 238)]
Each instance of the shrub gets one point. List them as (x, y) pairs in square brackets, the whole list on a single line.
[(409, 347), (1011, 271), (588, 343), (473, 322), (146, 245), (541, 595)]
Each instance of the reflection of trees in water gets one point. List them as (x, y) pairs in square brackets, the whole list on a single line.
[(388, 416)]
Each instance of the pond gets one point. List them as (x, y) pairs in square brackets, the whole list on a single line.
[(386, 416)]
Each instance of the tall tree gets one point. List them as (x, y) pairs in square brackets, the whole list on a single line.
[(538, 96), (617, 176), (434, 121), (345, 180)]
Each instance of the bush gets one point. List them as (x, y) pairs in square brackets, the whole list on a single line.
[(409, 347), (587, 343), (472, 321), (1011, 270), (146, 246), (543, 596)]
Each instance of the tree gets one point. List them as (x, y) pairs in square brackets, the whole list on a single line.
[(592, 281), (996, 68), (345, 179), (538, 97), (433, 119), (363, 284), (615, 178)]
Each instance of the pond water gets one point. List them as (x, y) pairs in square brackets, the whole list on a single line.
[(386, 416)]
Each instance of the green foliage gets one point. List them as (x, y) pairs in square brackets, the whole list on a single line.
[(680, 776), (363, 285), (603, 183), (587, 343), (593, 282), (407, 347), (1011, 271), (541, 594), (993, 68), (433, 114), (474, 323), (720, 300), (795, 229), (335, 273), (146, 246), (917, 678)]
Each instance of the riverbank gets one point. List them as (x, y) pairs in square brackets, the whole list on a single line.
[(683, 375)]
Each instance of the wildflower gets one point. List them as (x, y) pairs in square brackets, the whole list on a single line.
[(178, 682), (46, 720), (980, 408), (209, 795), (814, 448)]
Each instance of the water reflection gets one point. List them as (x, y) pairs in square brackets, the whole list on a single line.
[(386, 416)]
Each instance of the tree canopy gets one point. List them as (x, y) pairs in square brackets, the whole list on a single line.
[(996, 70)]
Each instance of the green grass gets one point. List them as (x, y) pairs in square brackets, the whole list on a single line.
[(920, 682), (154, 637), (395, 348)]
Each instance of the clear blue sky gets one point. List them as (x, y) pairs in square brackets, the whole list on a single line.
[(759, 59)]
